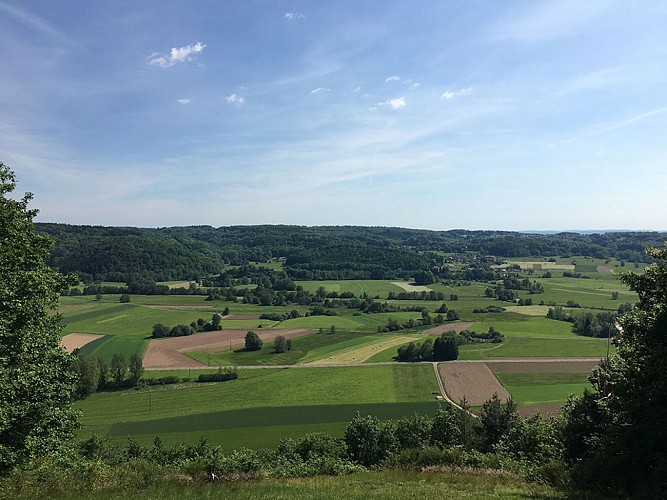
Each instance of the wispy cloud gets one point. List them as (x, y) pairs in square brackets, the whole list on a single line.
[(548, 20), (450, 94), (176, 55), (33, 22), (392, 78), (184, 101), (397, 103), (294, 16), (235, 99), (319, 90)]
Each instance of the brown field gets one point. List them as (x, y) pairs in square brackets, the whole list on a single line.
[(409, 287), (545, 410), (168, 353), (474, 381), (241, 316), (359, 354), (543, 366), (77, 340), (535, 310), (447, 327)]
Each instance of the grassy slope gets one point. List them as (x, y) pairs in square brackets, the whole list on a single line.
[(263, 388)]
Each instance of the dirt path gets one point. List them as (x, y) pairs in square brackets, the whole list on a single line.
[(77, 340)]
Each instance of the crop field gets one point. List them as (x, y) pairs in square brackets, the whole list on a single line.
[(543, 389), (473, 381), (306, 348), (283, 397)]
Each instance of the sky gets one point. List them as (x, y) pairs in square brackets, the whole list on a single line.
[(514, 115)]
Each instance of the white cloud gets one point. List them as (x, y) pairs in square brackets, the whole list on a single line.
[(450, 94), (176, 55), (320, 89), (357, 89), (415, 85), (393, 78), (397, 103), (184, 101), (294, 16), (235, 99)]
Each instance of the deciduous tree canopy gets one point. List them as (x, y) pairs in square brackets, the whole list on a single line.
[(36, 374)]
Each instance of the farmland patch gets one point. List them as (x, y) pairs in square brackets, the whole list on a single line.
[(474, 381), (78, 340), (168, 353)]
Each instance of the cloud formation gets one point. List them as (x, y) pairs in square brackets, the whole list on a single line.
[(320, 89), (184, 101), (392, 78), (397, 103), (235, 99), (176, 55), (450, 94), (294, 16)]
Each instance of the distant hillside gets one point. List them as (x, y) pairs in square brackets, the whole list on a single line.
[(324, 252)]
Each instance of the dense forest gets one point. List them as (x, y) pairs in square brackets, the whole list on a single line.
[(324, 252)]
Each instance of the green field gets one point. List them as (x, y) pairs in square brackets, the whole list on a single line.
[(537, 389), (282, 394)]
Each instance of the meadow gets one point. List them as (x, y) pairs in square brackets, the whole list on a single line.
[(262, 405)]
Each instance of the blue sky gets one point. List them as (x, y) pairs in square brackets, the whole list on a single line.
[(441, 114)]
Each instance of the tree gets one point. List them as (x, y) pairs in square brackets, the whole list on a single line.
[(136, 368), (280, 344), (124, 299), (88, 376), (253, 342), (445, 347), (36, 375), (118, 368), (452, 315), (370, 441), (497, 420), (445, 429), (624, 418)]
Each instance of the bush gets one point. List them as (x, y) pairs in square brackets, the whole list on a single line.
[(222, 375)]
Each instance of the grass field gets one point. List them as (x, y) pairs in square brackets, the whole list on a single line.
[(538, 389), (373, 288), (335, 391)]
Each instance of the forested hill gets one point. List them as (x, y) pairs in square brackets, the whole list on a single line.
[(334, 252)]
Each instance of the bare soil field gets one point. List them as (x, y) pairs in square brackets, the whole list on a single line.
[(168, 353), (604, 269), (77, 340), (241, 316), (542, 366), (409, 287), (474, 381), (448, 327)]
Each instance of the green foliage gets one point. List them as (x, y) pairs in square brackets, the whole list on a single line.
[(445, 347), (118, 368), (253, 342), (621, 424), (497, 420), (36, 375), (369, 440), (446, 427), (222, 375), (136, 368), (87, 371)]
